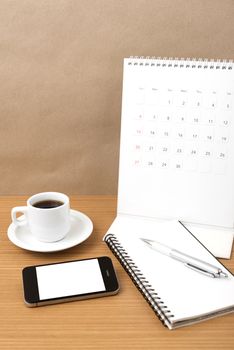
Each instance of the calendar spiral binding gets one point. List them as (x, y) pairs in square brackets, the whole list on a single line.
[(199, 63), (150, 295)]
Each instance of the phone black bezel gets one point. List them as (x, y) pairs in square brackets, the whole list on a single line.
[(31, 292)]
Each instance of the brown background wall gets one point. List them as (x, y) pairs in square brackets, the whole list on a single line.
[(61, 76)]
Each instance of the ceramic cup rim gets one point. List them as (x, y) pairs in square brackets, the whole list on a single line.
[(48, 195)]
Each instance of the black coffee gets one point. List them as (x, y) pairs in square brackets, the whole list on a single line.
[(48, 204)]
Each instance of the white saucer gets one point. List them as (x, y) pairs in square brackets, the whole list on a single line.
[(81, 229)]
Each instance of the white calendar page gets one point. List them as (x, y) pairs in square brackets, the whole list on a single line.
[(177, 141)]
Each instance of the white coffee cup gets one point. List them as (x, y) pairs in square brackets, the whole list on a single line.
[(47, 223)]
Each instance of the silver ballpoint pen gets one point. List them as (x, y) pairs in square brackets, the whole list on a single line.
[(189, 261)]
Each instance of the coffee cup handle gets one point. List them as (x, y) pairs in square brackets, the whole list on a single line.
[(16, 210)]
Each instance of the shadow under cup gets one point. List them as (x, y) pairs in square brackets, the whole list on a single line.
[(48, 216)]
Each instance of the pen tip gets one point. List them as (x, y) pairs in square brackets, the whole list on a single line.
[(223, 274)]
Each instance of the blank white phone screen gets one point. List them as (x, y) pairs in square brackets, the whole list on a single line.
[(61, 280)]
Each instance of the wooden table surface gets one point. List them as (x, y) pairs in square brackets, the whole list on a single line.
[(123, 321)]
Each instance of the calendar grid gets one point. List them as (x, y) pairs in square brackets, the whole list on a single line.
[(181, 130)]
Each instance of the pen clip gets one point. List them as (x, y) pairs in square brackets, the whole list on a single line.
[(204, 272)]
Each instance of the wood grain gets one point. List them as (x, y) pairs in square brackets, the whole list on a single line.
[(124, 321)]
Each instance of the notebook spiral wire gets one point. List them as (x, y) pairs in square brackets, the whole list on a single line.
[(198, 63), (153, 299)]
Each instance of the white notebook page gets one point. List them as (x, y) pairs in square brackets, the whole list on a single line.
[(185, 292)]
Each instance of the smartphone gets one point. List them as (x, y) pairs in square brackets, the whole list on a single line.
[(69, 281)]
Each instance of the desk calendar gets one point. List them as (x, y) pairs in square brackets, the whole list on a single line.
[(177, 141)]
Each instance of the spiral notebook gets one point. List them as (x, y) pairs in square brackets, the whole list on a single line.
[(178, 295), (177, 145)]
